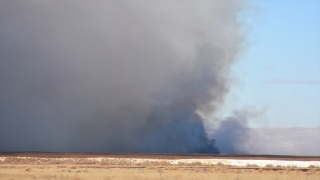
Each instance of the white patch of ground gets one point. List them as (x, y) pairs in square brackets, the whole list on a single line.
[(137, 161), (260, 163)]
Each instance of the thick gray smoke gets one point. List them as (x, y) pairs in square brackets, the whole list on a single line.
[(113, 76), (233, 133)]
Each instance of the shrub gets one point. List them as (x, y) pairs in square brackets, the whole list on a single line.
[(28, 169), (220, 164), (252, 165), (269, 165)]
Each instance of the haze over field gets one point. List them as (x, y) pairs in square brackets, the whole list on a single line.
[(284, 141), (279, 141)]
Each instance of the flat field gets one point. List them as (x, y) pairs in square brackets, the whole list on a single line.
[(75, 166)]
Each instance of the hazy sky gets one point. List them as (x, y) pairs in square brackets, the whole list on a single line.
[(279, 71)]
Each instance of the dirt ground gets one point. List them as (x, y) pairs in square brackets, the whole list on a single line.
[(161, 156)]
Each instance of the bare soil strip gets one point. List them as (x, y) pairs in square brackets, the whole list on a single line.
[(159, 156)]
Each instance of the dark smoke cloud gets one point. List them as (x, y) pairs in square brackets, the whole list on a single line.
[(113, 76), (232, 133)]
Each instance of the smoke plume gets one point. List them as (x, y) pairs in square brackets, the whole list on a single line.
[(114, 76), (232, 134)]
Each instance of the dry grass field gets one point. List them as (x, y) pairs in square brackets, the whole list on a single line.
[(174, 173), (88, 168)]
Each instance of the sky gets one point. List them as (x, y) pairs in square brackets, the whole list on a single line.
[(278, 75)]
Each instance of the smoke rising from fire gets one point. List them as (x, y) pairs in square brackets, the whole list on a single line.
[(114, 76)]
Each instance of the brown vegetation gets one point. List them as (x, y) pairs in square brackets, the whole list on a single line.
[(150, 172)]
